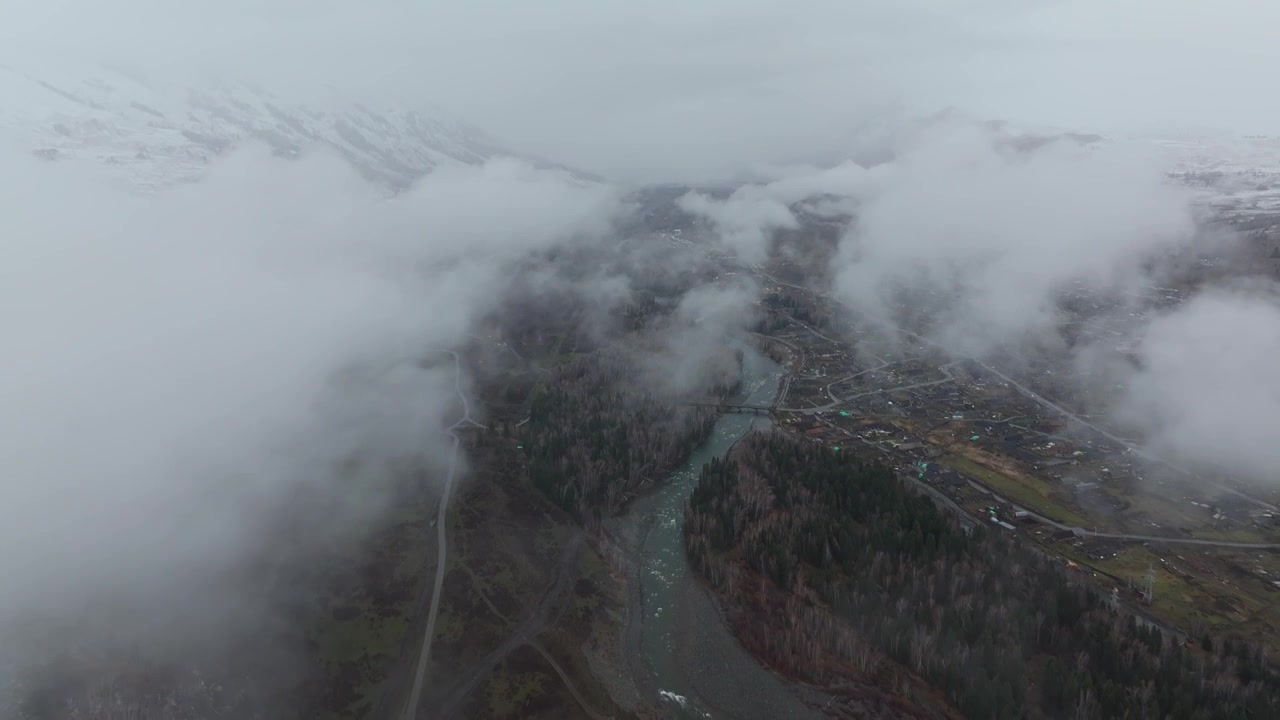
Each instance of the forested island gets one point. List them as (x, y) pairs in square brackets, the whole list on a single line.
[(833, 570)]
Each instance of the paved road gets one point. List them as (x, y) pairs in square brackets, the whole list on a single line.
[(1085, 532), (836, 402), (809, 327), (415, 696), (1078, 531), (847, 378)]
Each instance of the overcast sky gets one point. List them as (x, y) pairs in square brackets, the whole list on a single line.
[(661, 89)]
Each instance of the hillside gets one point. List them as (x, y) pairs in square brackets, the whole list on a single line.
[(154, 134)]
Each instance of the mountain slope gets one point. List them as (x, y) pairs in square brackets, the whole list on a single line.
[(1238, 175), (157, 135)]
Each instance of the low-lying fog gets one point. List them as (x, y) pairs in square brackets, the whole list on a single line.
[(182, 364)]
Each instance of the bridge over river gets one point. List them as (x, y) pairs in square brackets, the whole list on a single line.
[(729, 407)]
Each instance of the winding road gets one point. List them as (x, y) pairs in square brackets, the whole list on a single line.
[(1085, 532), (551, 606), (415, 696), (836, 401)]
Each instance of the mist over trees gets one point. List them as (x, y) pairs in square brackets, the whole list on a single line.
[(595, 437), (215, 387)]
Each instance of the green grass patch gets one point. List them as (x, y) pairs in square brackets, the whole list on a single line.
[(361, 636), (1189, 603), (449, 625), (593, 573), (1164, 511), (507, 694), (1235, 533), (551, 360), (1037, 497), (1196, 521), (590, 564)]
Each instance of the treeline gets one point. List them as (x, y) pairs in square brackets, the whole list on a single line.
[(596, 434), (840, 563), (779, 308)]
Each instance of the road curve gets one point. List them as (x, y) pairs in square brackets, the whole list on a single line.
[(1085, 532), (415, 696)]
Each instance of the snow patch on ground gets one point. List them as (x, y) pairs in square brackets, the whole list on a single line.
[(1236, 175)]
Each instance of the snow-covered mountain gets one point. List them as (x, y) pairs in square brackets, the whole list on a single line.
[(1240, 176), (157, 134), (1237, 177)]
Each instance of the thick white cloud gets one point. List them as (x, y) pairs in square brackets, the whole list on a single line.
[(1207, 391), (178, 365), (175, 365), (745, 221), (692, 354), (971, 230), (983, 237)]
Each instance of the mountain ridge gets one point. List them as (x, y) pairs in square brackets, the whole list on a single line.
[(154, 136)]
